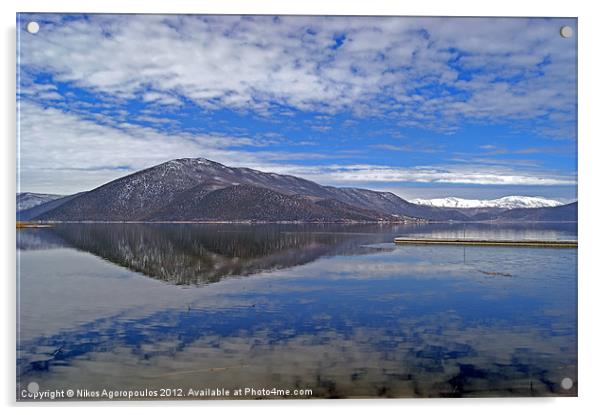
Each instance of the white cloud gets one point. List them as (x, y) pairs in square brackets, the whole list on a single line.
[(164, 99), (67, 153), (41, 91), (485, 174), (523, 68), (64, 153)]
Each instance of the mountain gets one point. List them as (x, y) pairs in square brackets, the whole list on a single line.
[(27, 200), (393, 205), (259, 204), (28, 214), (200, 189), (508, 202), (203, 190), (185, 255), (564, 213)]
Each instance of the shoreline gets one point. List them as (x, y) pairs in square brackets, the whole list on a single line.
[(252, 222)]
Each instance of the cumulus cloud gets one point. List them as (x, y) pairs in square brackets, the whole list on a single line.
[(485, 174), (427, 72), (66, 153), (63, 153)]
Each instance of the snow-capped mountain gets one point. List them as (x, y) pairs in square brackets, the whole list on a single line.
[(28, 200), (201, 190), (508, 202)]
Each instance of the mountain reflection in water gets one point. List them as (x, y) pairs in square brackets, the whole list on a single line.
[(337, 309), (200, 254), (204, 253)]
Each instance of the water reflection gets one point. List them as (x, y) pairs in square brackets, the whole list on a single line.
[(432, 356), (200, 254), (354, 316)]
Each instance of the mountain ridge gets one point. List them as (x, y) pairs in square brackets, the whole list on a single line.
[(141, 195), (28, 200), (197, 189), (506, 202)]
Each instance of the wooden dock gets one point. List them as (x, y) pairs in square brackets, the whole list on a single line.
[(488, 242)]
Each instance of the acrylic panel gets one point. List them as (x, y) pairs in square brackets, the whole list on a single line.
[(295, 207)]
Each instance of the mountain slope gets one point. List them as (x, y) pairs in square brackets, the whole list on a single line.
[(245, 202), (564, 213), (392, 204), (132, 197), (38, 210), (136, 196)]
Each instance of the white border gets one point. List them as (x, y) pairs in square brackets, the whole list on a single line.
[(590, 176)]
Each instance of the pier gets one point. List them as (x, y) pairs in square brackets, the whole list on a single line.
[(487, 242)]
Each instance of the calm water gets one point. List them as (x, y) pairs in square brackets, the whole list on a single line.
[(339, 310)]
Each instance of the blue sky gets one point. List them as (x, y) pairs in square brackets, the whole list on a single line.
[(423, 107)]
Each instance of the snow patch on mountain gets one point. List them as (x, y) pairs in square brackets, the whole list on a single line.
[(508, 202), (27, 200)]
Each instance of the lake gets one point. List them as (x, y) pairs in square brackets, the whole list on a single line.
[(338, 310)]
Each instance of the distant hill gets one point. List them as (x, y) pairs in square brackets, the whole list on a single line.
[(507, 202), (546, 214), (27, 200), (29, 214), (394, 205), (259, 204), (203, 190)]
